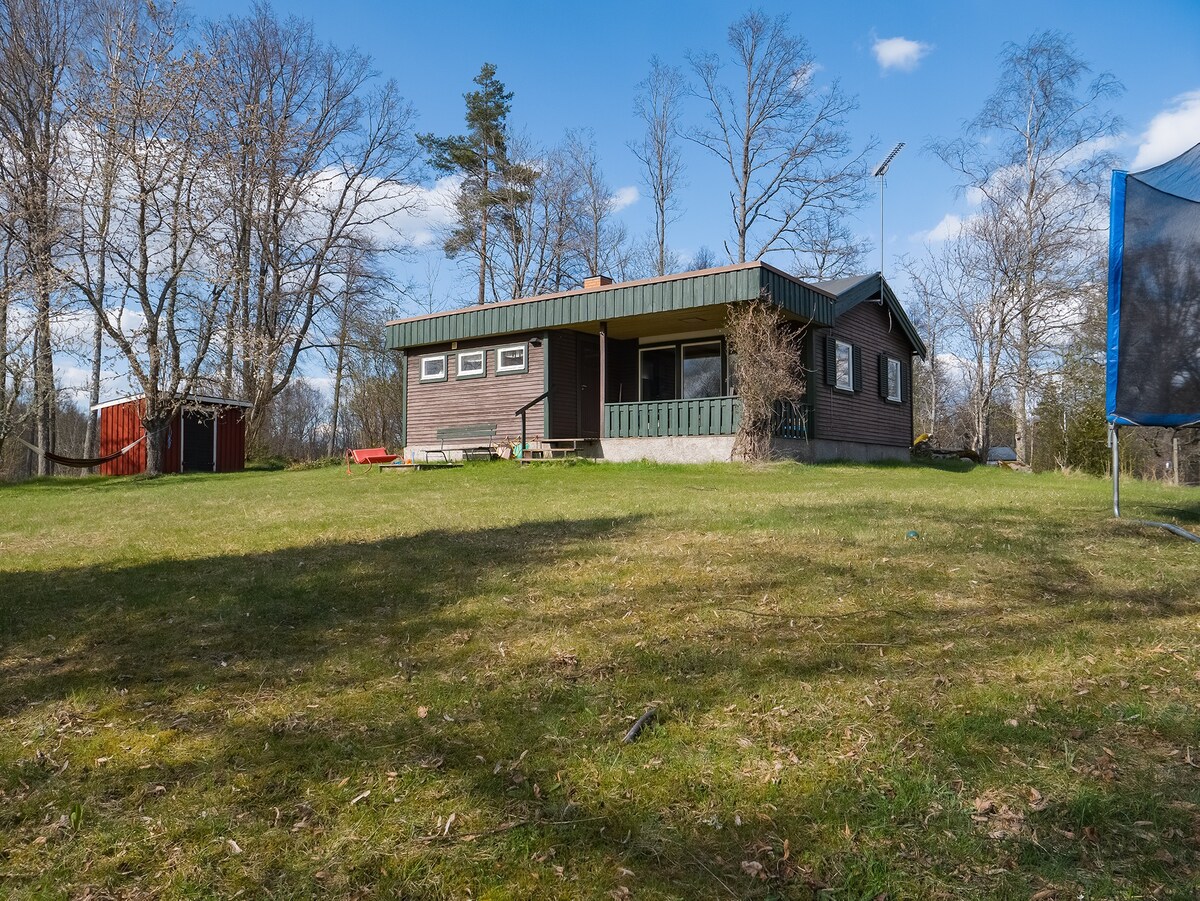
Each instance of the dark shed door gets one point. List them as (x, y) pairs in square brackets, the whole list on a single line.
[(198, 435)]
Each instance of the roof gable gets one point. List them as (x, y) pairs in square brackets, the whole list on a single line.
[(850, 292)]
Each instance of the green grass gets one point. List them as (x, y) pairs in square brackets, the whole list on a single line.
[(202, 677)]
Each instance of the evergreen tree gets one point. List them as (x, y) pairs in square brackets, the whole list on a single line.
[(481, 158)]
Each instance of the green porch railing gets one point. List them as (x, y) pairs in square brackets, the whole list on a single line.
[(793, 421), (673, 418)]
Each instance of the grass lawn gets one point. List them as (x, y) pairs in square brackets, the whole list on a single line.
[(302, 684)]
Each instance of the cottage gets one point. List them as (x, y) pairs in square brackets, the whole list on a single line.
[(642, 370)]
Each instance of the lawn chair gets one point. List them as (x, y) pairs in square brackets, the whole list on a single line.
[(369, 456)]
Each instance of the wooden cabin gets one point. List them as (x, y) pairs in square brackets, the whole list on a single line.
[(208, 435), (642, 370)]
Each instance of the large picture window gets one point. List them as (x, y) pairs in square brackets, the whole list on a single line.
[(658, 373), (702, 370)]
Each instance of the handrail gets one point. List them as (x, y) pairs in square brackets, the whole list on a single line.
[(540, 397), (521, 413)]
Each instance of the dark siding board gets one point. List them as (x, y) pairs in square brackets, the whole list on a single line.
[(493, 398), (864, 416), (564, 384)]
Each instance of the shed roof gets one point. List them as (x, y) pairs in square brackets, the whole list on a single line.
[(205, 399)]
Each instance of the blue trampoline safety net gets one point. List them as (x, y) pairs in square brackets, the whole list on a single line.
[(1154, 295)]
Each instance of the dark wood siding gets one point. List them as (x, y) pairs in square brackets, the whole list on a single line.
[(460, 402), (863, 415), (564, 384), (231, 440)]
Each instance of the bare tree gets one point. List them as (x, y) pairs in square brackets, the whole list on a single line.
[(602, 242), (783, 139), (1037, 155), (659, 104), (931, 285), (153, 231), (313, 160), (37, 41)]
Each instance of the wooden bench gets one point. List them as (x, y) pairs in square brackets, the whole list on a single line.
[(471, 432)]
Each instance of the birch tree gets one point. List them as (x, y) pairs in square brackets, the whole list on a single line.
[(38, 39), (659, 105), (1037, 155), (780, 135)]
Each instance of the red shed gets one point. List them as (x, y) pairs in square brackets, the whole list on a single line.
[(208, 436)]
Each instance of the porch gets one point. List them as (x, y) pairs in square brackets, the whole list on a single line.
[(695, 417)]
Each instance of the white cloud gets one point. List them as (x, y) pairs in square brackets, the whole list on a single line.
[(624, 197), (432, 211), (949, 227), (1170, 132), (899, 53)]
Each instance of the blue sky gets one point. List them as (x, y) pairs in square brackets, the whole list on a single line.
[(576, 65)]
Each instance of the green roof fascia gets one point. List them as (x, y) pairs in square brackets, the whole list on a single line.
[(702, 289)]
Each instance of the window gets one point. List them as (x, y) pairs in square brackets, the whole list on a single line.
[(702, 370), (472, 364), (731, 363), (844, 365), (894, 390), (433, 369), (512, 359), (658, 376)]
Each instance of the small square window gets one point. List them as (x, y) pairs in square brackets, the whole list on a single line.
[(472, 364), (433, 369), (512, 359), (844, 365), (895, 392)]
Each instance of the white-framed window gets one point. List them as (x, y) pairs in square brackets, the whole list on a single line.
[(512, 359), (472, 364), (843, 365), (895, 391), (433, 368)]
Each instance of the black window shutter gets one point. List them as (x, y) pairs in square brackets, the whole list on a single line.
[(883, 376), (830, 360), (906, 380), (856, 357)]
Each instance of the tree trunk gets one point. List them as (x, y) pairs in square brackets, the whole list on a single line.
[(91, 439), (43, 386), (155, 445)]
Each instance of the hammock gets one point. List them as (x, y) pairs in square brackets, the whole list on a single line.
[(80, 462)]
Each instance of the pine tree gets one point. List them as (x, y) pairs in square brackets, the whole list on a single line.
[(481, 158)]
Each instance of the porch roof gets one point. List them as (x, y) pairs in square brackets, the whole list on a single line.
[(666, 299)]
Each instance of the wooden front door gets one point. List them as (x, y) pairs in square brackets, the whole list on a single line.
[(589, 386)]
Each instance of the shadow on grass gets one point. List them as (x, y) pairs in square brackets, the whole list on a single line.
[(178, 623), (288, 683)]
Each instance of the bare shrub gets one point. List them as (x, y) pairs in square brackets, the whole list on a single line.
[(769, 374)]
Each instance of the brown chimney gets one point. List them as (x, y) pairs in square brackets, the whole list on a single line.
[(596, 281)]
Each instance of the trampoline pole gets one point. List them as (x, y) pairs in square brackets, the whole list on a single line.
[(1116, 470)]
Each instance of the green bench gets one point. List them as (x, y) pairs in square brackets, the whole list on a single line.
[(460, 433)]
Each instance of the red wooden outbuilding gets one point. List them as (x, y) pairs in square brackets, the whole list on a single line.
[(209, 435)]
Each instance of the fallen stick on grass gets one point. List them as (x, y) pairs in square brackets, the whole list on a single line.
[(642, 722)]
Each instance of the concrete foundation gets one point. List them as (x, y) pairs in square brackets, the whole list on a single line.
[(821, 451), (684, 449)]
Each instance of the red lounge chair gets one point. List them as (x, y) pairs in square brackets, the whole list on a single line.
[(369, 456)]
